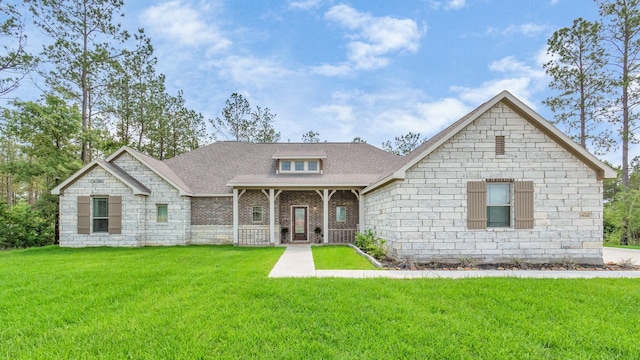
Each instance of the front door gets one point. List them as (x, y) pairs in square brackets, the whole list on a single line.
[(299, 223)]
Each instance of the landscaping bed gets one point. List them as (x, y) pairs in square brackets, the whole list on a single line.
[(390, 264)]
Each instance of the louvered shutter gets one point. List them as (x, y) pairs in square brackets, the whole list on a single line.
[(524, 204), (115, 214), (84, 214), (476, 205)]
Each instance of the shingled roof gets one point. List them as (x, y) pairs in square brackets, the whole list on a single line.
[(213, 169)]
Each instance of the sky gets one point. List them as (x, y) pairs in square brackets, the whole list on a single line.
[(355, 68)]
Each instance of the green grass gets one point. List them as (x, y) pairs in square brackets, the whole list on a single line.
[(636, 247), (217, 302), (339, 258)]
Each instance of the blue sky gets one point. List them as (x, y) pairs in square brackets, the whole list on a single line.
[(373, 69)]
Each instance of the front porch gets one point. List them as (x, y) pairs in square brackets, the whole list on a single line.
[(263, 217)]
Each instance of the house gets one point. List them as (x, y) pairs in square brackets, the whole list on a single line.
[(499, 184)]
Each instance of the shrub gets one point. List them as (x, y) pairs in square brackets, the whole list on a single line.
[(368, 242), (24, 227)]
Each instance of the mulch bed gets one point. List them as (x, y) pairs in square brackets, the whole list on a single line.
[(403, 265)]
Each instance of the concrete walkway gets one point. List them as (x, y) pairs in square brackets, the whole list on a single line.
[(297, 261), (617, 255)]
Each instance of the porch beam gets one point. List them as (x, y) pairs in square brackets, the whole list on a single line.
[(272, 216), (325, 211), (235, 216)]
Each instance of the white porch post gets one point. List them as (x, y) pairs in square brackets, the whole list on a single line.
[(361, 213), (325, 211), (272, 216), (235, 216)]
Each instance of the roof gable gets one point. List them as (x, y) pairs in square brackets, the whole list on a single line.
[(137, 187), (398, 170), (160, 168)]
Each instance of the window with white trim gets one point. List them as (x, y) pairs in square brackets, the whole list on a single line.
[(341, 214), (299, 166), (100, 214), (498, 205), (257, 213), (162, 213)]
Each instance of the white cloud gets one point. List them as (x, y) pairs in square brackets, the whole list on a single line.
[(527, 29), (183, 24), (305, 5), (448, 5), (250, 70), (373, 39)]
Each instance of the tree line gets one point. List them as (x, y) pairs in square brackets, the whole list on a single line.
[(102, 91), (594, 68)]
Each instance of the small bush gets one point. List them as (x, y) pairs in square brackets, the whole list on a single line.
[(22, 227), (368, 242)]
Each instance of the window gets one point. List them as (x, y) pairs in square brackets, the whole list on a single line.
[(313, 166), (341, 213), (499, 145), (299, 165), (163, 213), (256, 214), (498, 205), (100, 214), (489, 204), (285, 165)]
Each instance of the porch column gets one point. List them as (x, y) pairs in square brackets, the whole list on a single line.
[(361, 213), (325, 210), (272, 216), (235, 216)]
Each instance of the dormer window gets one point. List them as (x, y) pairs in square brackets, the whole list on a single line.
[(300, 162), (299, 166)]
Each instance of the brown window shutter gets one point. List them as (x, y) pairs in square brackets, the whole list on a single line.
[(115, 214), (499, 145), (524, 204), (84, 214), (476, 205)]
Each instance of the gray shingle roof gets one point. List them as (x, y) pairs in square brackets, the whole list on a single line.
[(208, 170)]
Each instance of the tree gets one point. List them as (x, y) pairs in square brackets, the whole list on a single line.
[(404, 144), (622, 32), (358, 139), (240, 123), (263, 120), (577, 72), (15, 61), (234, 122), (83, 33), (311, 137)]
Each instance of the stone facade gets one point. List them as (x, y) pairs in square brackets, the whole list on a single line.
[(139, 221), (424, 216)]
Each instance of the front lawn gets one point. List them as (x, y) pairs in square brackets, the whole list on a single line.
[(635, 247), (336, 257), (217, 302)]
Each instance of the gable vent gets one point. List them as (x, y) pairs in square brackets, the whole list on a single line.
[(500, 145)]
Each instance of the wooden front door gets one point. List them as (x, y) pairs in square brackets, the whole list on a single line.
[(299, 223)]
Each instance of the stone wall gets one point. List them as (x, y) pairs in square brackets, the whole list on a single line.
[(425, 215), (139, 213), (176, 231), (99, 182)]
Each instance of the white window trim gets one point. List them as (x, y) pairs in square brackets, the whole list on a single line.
[(305, 170), (345, 214), (94, 217), (510, 205), (253, 212), (158, 214)]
